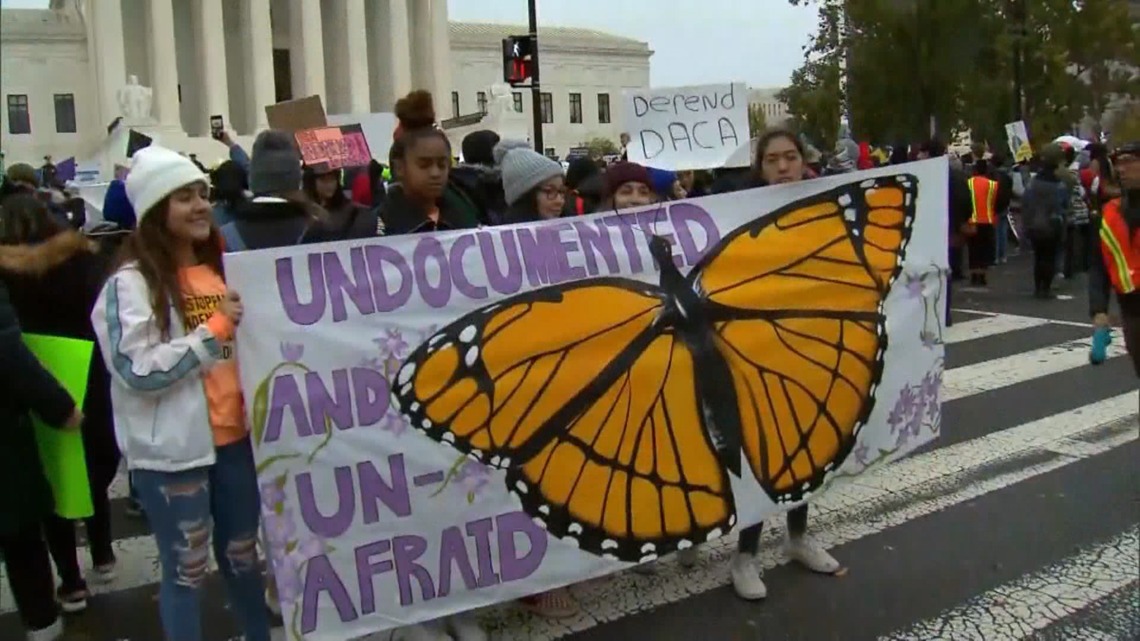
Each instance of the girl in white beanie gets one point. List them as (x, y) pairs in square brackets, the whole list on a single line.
[(165, 322)]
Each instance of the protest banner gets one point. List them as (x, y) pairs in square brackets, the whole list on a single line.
[(377, 127), (1018, 138), (450, 420), (686, 127), (330, 148), (295, 115), (61, 452)]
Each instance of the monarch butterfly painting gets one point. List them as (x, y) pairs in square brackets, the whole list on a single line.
[(619, 408)]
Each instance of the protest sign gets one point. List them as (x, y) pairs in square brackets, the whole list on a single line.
[(449, 420), (295, 115), (377, 127), (61, 452), (1018, 138), (686, 127), (331, 148)]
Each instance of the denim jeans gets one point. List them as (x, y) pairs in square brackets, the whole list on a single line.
[(1002, 237), (182, 508)]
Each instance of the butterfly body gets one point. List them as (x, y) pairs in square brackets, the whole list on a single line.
[(618, 408)]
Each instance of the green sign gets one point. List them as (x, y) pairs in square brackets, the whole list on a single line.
[(61, 451)]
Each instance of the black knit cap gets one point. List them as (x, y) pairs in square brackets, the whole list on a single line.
[(478, 147)]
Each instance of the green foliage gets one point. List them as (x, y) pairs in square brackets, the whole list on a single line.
[(909, 61), (601, 147), (757, 121)]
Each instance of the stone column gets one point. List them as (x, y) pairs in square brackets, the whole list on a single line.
[(390, 51), (307, 53), (108, 59), (212, 62), (164, 65), (260, 81), (346, 57), (441, 48), (356, 39), (423, 56)]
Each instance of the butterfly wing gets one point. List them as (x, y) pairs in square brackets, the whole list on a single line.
[(797, 301), (634, 475), (490, 383)]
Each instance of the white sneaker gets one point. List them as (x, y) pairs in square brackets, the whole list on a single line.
[(746, 578), (50, 633), (464, 627), (430, 631), (811, 554), (688, 558)]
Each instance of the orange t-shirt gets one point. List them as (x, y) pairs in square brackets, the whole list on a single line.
[(202, 292)]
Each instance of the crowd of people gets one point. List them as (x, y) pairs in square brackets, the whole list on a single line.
[(146, 283)]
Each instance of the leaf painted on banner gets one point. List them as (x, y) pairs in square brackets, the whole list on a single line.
[(261, 408), (325, 441), (265, 464)]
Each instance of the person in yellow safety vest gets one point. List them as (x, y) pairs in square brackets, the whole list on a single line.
[(984, 200), (1119, 266)]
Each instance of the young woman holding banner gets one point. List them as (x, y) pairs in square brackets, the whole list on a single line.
[(779, 160), (164, 320)]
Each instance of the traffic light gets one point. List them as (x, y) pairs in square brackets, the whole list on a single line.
[(518, 59)]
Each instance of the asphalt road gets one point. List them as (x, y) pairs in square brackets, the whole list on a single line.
[(1021, 521)]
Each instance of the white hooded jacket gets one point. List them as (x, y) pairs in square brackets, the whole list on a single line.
[(162, 419)]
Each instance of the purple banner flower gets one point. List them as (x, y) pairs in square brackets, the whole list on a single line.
[(917, 407)]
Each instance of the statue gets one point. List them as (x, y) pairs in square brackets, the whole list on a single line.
[(135, 100), (503, 103)]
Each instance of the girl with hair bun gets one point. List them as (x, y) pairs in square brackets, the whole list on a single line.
[(420, 157)]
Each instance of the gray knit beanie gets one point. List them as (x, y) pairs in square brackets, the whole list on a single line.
[(523, 168), (275, 166)]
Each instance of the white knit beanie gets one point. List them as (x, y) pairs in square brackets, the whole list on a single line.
[(523, 168), (156, 173)]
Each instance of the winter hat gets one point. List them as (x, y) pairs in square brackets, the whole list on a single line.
[(580, 169), (479, 147), (621, 173), (523, 168), (117, 207), (662, 181), (23, 172), (846, 156), (157, 172), (275, 166), (1052, 155)]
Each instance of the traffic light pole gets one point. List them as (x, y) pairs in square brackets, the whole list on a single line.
[(535, 88)]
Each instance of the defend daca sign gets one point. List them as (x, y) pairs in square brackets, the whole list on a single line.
[(686, 127)]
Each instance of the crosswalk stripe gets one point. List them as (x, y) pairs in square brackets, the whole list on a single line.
[(1024, 366), (989, 326), (1020, 608), (1051, 321), (842, 514), (935, 481)]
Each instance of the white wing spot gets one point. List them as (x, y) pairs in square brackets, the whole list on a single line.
[(648, 547), (506, 462), (449, 437), (855, 231), (472, 356), (575, 528), (684, 544), (435, 339), (476, 454), (406, 373), (468, 334), (849, 214), (406, 389), (844, 200), (495, 461), (522, 488), (732, 520), (545, 509), (648, 557), (414, 406), (715, 534), (867, 184), (609, 544)]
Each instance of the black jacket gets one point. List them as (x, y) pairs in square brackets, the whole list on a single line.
[(1100, 285), (264, 222), (402, 216), (348, 220), (72, 268), (484, 186), (25, 386)]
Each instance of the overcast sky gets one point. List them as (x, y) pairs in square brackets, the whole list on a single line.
[(696, 41)]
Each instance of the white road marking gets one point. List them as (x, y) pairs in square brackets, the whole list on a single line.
[(988, 326), (1018, 609), (978, 312), (1024, 366), (863, 506)]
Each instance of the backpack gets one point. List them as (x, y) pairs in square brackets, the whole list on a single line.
[(1046, 221)]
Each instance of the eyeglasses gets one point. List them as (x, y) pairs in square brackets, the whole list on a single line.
[(553, 193)]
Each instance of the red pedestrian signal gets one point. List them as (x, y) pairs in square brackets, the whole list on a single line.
[(518, 59)]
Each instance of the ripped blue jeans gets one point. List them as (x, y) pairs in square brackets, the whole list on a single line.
[(184, 508)]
